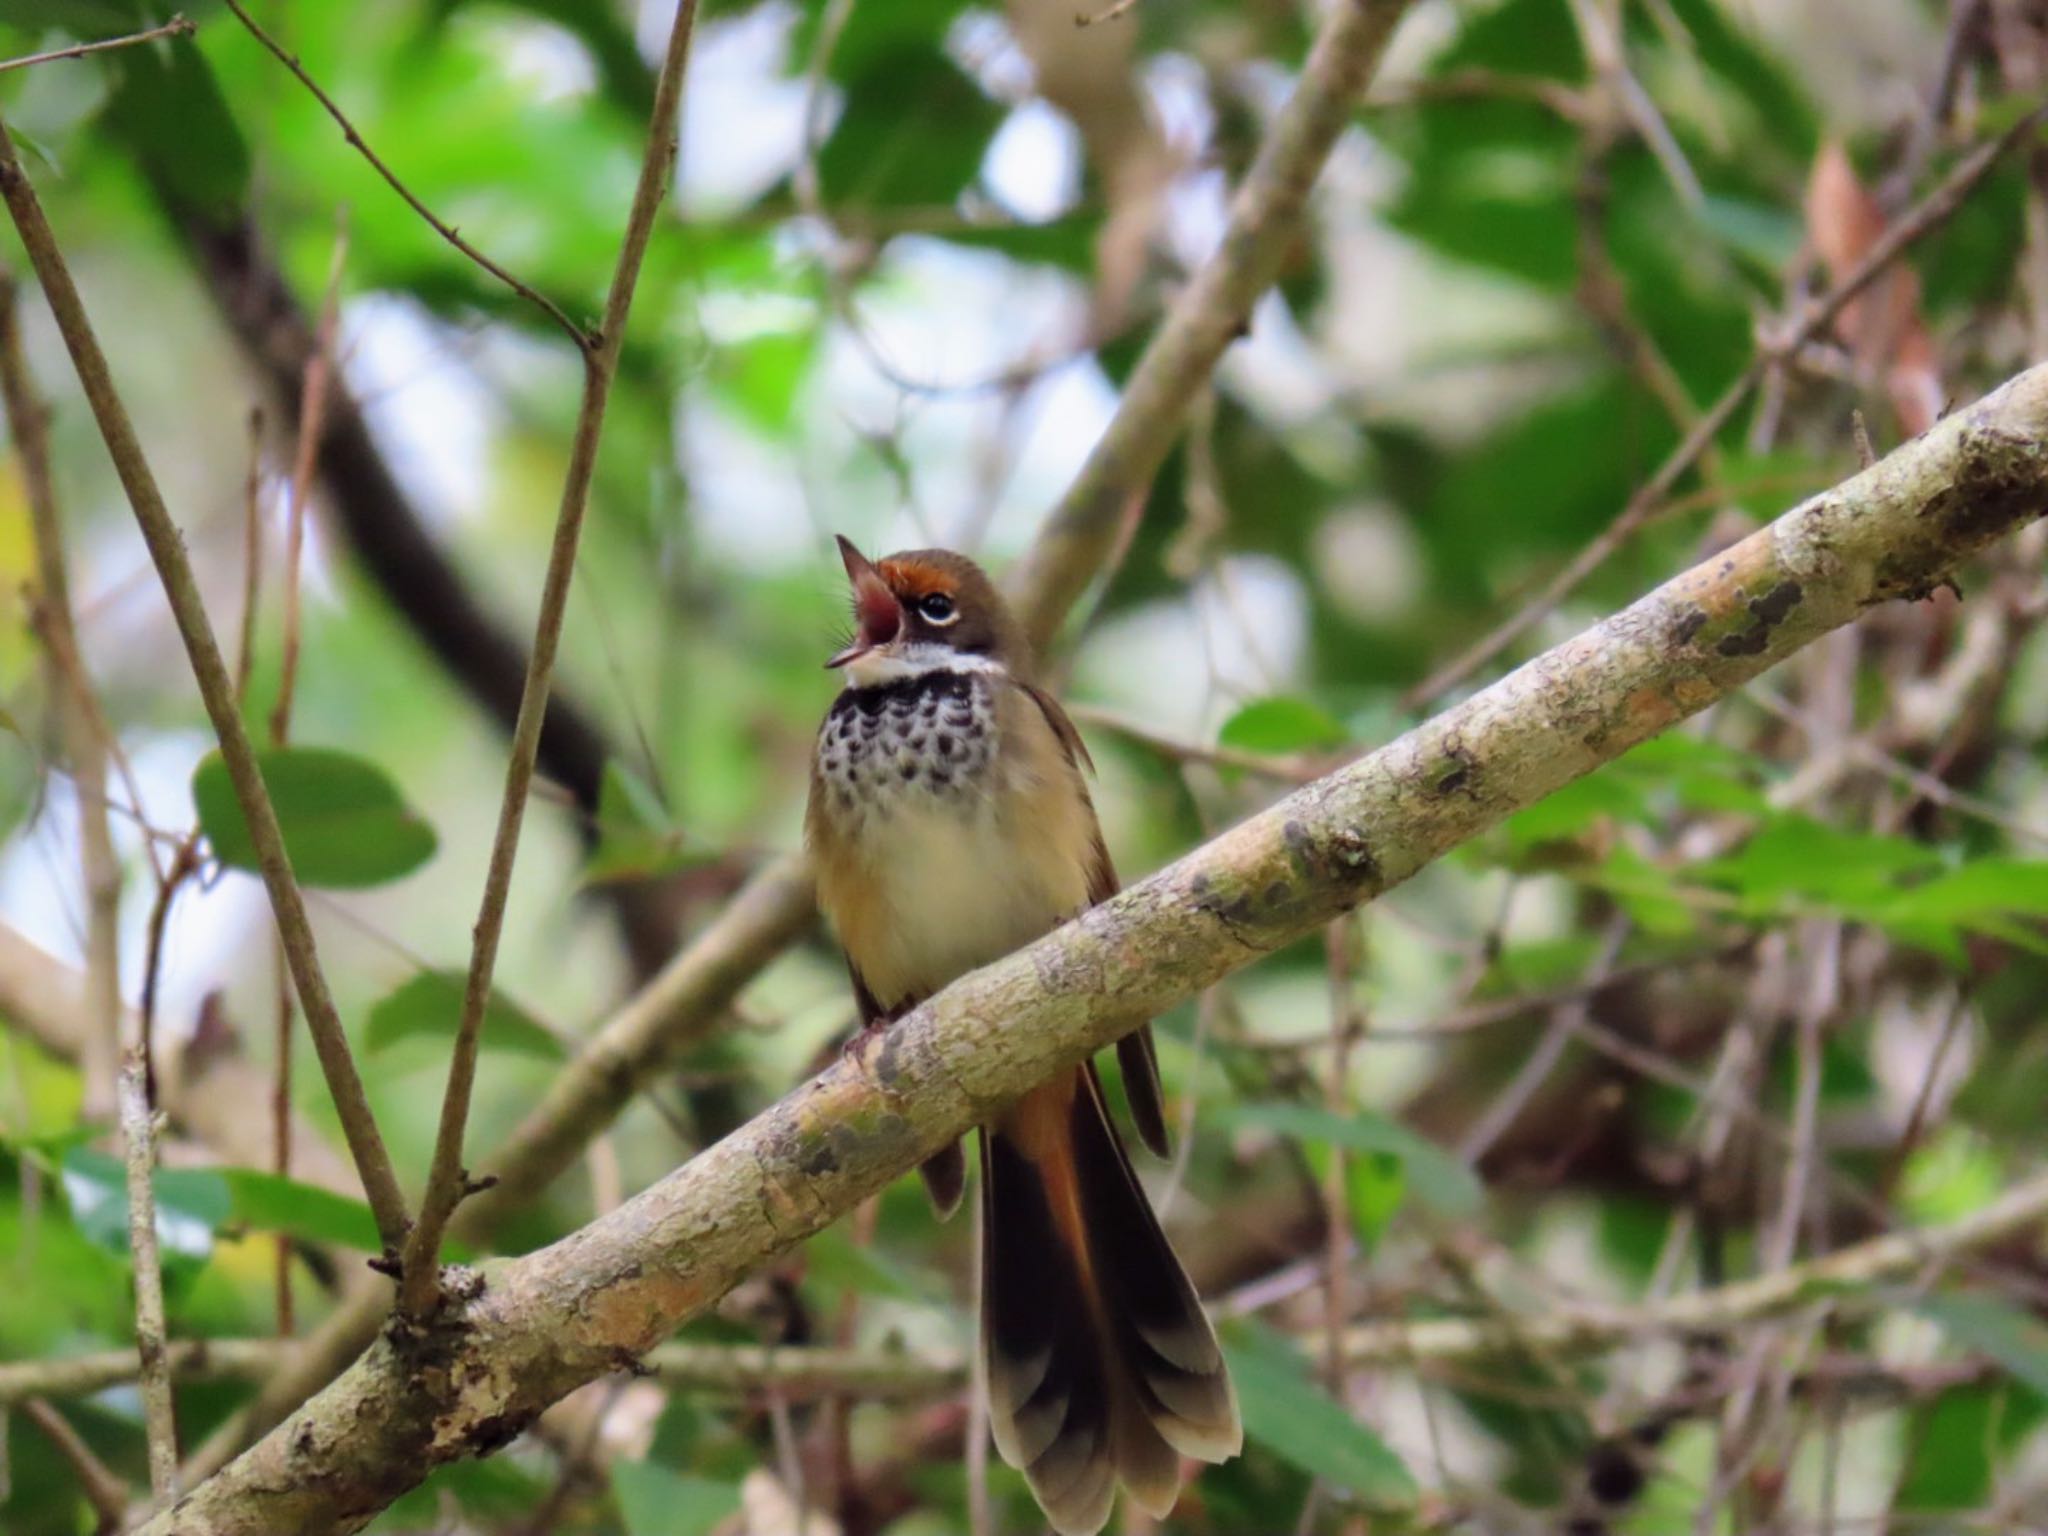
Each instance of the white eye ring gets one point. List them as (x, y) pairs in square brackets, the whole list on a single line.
[(938, 609)]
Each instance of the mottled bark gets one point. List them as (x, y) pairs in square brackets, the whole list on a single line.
[(525, 1332)]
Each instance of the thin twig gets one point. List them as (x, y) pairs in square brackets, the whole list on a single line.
[(184, 865), (1345, 1027), (305, 460), (585, 342), (1110, 12), (177, 26), (1568, 1020), (800, 1373), (252, 556), (139, 1125), (105, 1492), (419, 1287), (1289, 768), (84, 729), (1933, 210), (305, 456), (216, 687)]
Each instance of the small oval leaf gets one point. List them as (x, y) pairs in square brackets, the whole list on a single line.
[(430, 1006), (1437, 1179), (1294, 1419), (1282, 725), (345, 824)]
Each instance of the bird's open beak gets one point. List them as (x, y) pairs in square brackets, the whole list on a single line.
[(876, 612)]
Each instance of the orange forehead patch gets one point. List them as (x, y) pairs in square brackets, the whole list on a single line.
[(918, 578)]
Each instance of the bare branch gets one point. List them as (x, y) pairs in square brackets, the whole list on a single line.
[(216, 687), (799, 1373), (419, 1286), (138, 1138), (106, 1493), (305, 453), (538, 1327), (177, 26), (1265, 221), (585, 342)]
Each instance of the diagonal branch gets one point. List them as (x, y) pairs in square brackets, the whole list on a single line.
[(1266, 218), (1932, 212), (216, 688), (105, 1492), (419, 1284), (177, 26), (585, 343), (535, 1328)]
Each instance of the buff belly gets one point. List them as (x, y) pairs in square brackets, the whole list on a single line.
[(936, 853)]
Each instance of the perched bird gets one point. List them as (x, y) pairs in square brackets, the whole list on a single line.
[(949, 824)]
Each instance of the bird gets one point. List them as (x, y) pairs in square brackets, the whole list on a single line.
[(949, 823)]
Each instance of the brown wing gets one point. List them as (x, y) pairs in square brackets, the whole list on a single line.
[(1135, 1053)]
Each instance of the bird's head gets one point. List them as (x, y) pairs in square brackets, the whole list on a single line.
[(924, 610)]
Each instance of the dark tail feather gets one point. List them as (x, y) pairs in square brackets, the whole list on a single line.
[(1139, 1061), (945, 1178), (1102, 1366)]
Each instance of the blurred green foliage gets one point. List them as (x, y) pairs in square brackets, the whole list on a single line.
[(1433, 414)]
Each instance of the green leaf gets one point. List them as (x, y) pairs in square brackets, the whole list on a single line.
[(657, 1502), (763, 376), (191, 1203), (1294, 1419), (1374, 1187), (1797, 856), (1574, 809), (270, 1202), (1982, 889), (599, 26), (913, 132), (87, 20), (636, 839), (344, 822), (1439, 1180), (429, 1005), (873, 32), (1995, 1329), (168, 108), (1280, 725)]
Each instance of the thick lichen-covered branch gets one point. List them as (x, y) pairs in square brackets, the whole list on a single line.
[(528, 1331)]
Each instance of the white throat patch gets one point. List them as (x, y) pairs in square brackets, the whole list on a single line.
[(891, 664)]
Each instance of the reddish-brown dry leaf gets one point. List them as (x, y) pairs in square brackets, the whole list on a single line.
[(1882, 327)]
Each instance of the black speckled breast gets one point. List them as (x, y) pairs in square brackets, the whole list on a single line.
[(908, 744)]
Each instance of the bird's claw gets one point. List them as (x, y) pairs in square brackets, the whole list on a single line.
[(864, 1041)]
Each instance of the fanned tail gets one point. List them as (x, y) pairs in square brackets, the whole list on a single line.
[(1102, 1366)]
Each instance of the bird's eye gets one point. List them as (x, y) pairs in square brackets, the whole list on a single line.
[(937, 608)]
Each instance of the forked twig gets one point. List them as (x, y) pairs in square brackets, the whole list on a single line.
[(448, 1182), (585, 342)]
